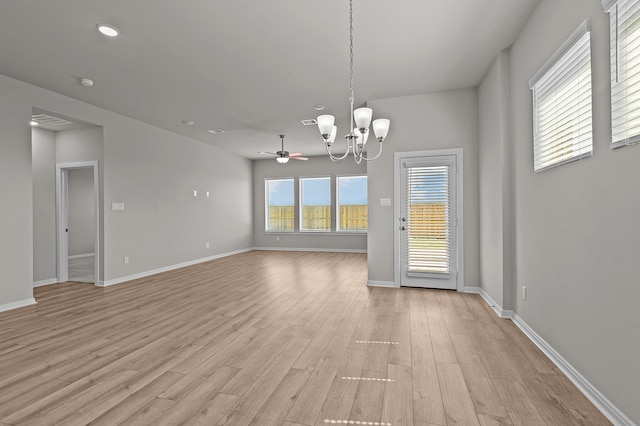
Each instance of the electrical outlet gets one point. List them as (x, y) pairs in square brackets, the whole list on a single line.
[(126, 260), (277, 238), (524, 292), (206, 245)]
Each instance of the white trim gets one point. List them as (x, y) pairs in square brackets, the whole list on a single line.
[(326, 233), (45, 282), (489, 300), (78, 256), (397, 158), (62, 212), (17, 304), (387, 284), (126, 278), (610, 411), (328, 250), (605, 406)]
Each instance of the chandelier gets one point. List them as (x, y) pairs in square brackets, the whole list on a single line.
[(357, 136)]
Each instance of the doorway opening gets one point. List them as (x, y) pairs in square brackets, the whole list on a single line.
[(65, 154)]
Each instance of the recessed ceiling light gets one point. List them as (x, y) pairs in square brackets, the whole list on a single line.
[(319, 107), (188, 123), (86, 82), (33, 123), (108, 30)]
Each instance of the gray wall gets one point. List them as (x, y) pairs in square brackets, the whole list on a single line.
[(81, 217), (154, 172), (576, 234), (495, 183), (315, 166), (424, 122), (43, 145)]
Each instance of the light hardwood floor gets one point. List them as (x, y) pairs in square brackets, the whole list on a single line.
[(273, 338)]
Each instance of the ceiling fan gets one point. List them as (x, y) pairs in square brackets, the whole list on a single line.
[(283, 156)]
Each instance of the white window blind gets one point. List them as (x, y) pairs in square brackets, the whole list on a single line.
[(428, 248), (624, 30), (562, 119)]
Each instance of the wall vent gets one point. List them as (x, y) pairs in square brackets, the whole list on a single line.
[(309, 122), (49, 120)]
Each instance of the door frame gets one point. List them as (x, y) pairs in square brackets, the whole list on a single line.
[(397, 201), (62, 217)]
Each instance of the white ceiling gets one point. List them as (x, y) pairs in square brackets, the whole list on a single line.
[(253, 68)]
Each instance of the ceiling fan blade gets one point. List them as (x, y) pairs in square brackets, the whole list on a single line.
[(269, 153), (298, 158), (296, 154)]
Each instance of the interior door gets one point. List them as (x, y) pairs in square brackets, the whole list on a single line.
[(62, 252), (428, 223)]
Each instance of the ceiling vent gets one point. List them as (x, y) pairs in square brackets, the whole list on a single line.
[(49, 120), (216, 131), (310, 122)]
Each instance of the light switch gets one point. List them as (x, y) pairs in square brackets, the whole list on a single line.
[(117, 206), (385, 202)]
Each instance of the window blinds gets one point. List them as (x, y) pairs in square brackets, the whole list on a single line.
[(624, 22), (428, 248), (562, 104)]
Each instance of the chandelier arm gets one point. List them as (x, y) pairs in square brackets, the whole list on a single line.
[(371, 159), (334, 158)]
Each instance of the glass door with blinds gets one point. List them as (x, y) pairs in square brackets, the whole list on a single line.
[(427, 223)]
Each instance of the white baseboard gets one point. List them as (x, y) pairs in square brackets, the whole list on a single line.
[(612, 412), (45, 282), (78, 256), (327, 250), (605, 406), (17, 304), (389, 284), (119, 280), (502, 313)]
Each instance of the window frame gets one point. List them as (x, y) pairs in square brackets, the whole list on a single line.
[(557, 74), (301, 205), (266, 205), (337, 204), (621, 83)]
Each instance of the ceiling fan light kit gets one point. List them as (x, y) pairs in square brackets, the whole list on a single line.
[(356, 138), (283, 156)]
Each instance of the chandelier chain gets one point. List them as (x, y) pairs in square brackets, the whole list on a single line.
[(351, 50)]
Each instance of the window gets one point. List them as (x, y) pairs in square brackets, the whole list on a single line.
[(352, 213), (624, 24), (315, 204), (280, 205), (562, 127)]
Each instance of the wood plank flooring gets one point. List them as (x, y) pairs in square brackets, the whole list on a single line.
[(273, 338)]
